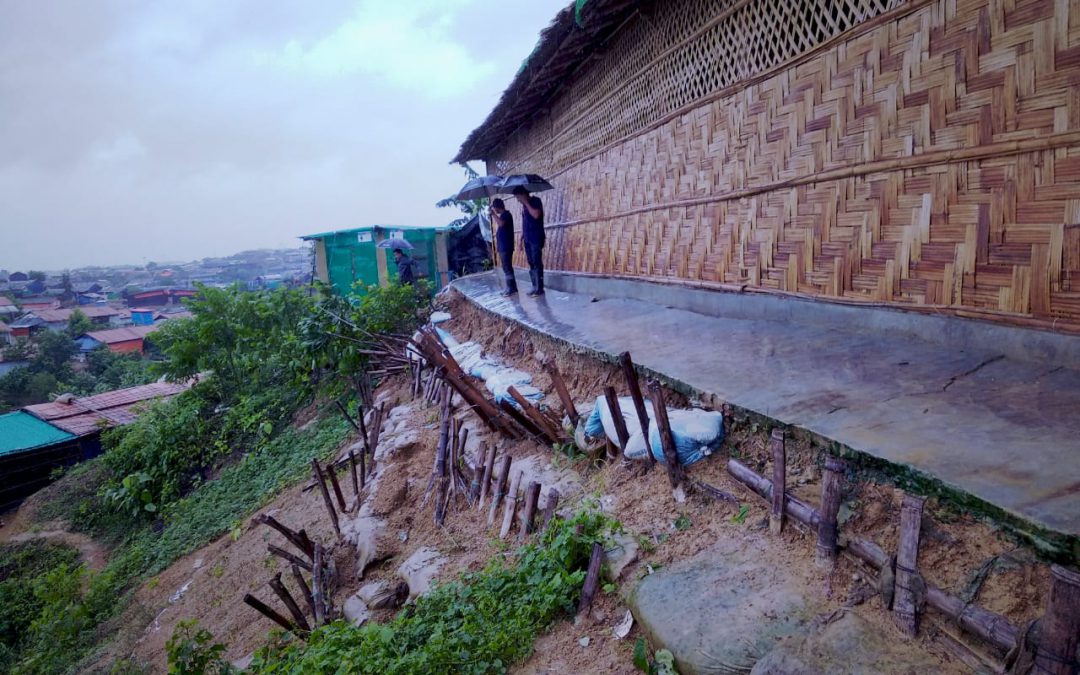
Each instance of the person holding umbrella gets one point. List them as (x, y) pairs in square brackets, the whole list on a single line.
[(532, 236), (504, 243), (406, 266)]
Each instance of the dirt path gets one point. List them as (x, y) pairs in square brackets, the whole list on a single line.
[(93, 554)]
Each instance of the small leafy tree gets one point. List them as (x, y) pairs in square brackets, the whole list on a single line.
[(79, 324), (191, 651), (470, 208)]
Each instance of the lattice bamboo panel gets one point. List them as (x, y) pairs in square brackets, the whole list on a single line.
[(931, 157)]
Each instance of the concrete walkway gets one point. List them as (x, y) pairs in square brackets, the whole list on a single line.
[(1002, 429)]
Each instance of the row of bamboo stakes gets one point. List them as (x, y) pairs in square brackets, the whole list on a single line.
[(313, 557)]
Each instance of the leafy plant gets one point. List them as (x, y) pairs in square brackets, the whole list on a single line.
[(682, 523), (740, 517), (663, 662), (191, 652)]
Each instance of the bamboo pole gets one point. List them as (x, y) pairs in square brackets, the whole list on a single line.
[(546, 428), (616, 417), (793, 508), (355, 478), (528, 514), (500, 489), (264, 609), (1059, 627), (831, 479), (634, 386), (317, 587), (511, 505), (549, 509), (905, 603), (297, 539), (305, 592), (287, 599), (560, 388), (592, 580), (524, 422), (337, 488), (294, 559), (779, 484), (667, 440), (474, 485), (326, 495), (488, 453)]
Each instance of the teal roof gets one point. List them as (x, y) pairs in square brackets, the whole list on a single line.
[(20, 431), (363, 228)]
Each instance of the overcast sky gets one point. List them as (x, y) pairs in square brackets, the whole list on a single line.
[(133, 131)]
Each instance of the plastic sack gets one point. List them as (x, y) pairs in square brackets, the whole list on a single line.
[(697, 433), (497, 377)]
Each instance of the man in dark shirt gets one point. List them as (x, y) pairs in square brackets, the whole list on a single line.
[(503, 223), (532, 236), (406, 267)]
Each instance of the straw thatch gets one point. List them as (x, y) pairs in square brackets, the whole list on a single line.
[(922, 153)]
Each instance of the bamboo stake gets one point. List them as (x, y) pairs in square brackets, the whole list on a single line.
[(364, 432), (616, 417), (355, 478), (793, 507), (524, 422), (549, 509), (511, 505), (667, 441), (489, 466), (634, 386), (337, 488), (560, 388), (905, 604), (592, 580), (779, 483), (546, 428), (1059, 627), (305, 592), (474, 485), (287, 599), (347, 416), (376, 428), (326, 495), (297, 539), (500, 489), (259, 606), (282, 553), (831, 479), (317, 587), (528, 514)]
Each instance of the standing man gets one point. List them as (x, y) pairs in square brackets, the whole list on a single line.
[(532, 236), (504, 243), (406, 267)]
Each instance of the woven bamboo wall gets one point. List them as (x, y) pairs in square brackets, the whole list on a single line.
[(923, 153)]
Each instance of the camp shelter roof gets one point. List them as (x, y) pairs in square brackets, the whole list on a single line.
[(115, 335), (368, 228), (574, 35), (86, 415), (21, 431)]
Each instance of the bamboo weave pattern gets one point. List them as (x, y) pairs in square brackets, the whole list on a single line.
[(927, 156)]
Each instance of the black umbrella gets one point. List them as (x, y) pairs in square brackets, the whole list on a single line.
[(529, 181), (479, 188)]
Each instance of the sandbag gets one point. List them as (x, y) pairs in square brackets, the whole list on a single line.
[(697, 433)]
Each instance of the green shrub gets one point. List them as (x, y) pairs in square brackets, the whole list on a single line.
[(191, 651), (484, 622)]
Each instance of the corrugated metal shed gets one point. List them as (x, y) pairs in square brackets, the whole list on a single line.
[(84, 416), (21, 431), (112, 335)]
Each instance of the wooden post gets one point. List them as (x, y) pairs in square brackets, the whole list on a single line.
[(560, 388), (639, 401), (544, 425), (326, 495), (297, 539), (337, 488), (549, 509), (1059, 627), (489, 467), (464, 432), (667, 440), (779, 483), (528, 514), (616, 417), (905, 603), (793, 508), (830, 507), (511, 505), (305, 592), (317, 587), (500, 489), (355, 478), (259, 606), (524, 422), (282, 553), (364, 436), (474, 486), (592, 579), (290, 604)]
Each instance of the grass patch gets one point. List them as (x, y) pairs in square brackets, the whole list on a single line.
[(482, 623)]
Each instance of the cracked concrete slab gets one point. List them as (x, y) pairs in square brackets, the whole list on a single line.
[(1003, 429)]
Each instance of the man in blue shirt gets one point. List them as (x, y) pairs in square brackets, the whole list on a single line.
[(532, 236), (406, 267), (503, 223)]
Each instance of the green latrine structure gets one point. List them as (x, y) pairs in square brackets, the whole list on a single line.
[(344, 257)]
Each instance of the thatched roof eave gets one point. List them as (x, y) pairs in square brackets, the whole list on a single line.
[(563, 47)]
